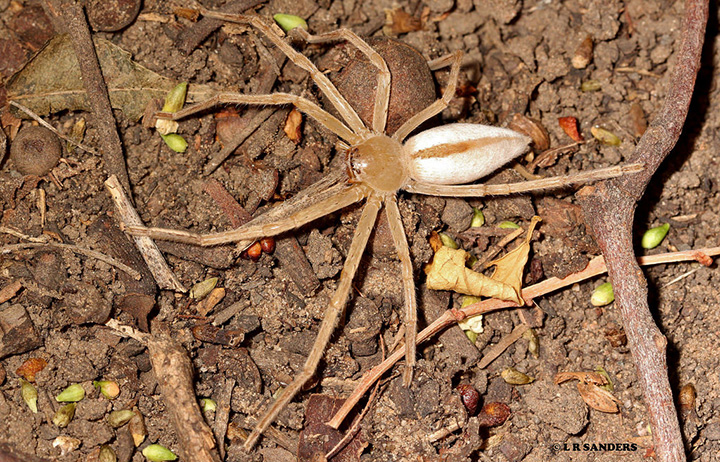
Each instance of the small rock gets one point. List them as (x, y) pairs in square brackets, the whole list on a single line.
[(17, 332), (457, 215)]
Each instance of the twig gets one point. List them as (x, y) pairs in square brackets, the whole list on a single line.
[(73, 18), (609, 208), (40, 120), (173, 369), (502, 345), (222, 415), (163, 275), (57, 245), (450, 317), (194, 35)]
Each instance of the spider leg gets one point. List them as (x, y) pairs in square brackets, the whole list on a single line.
[(332, 313), (313, 110), (478, 190), (320, 79), (253, 230), (435, 108), (382, 95), (401, 245)]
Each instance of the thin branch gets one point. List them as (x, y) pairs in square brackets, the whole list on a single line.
[(451, 317), (609, 208)]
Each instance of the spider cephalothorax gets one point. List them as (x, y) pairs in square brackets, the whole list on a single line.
[(380, 162)]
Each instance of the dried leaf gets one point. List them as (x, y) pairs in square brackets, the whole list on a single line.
[(293, 126), (51, 81), (598, 398), (397, 22), (30, 367), (509, 268), (570, 127), (448, 272)]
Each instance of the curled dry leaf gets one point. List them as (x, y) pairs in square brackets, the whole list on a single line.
[(532, 128), (509, 268), (598, 398), (590, 391), (397, 22), (570, 127)]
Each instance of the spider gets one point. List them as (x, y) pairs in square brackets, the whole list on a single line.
[(434, 162)]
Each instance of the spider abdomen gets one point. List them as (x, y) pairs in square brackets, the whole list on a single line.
[(461, 153)]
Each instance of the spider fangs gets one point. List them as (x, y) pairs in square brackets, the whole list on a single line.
[(432, 162)]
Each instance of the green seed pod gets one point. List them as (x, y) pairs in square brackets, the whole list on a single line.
[(175, 142), (448, 241), (175, 98), (71, 394), (605, 136), (478, 218), (472, 336), (654, 236), (107, 454), (590, 85), (208, 405), (29, 395), (289, 22), (117, 419), (64, 415), (508, 225), (158, 453), (109, 389), (533, 342), (201, 289), (603, 295), (609, 385), (515, 377)]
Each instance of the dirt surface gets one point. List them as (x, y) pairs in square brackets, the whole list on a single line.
[(520, 55)]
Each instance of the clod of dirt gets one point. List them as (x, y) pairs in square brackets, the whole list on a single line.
[(412, 88), (35, 151), (18, 333), (317, 439), (112, 15), (32, 27)]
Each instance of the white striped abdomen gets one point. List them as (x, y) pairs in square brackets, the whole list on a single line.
[(461, 153)]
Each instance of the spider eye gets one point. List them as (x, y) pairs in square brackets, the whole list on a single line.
[(356, 164)]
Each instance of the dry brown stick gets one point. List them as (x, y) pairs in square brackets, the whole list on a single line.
[(174, 373), (193, 36), (163, 275), (609, 209), (222, 415), (502, 345), (74, 21), (451, 317)]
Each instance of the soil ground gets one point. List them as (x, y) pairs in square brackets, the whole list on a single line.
[(522, 52)]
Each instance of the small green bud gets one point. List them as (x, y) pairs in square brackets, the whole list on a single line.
[(109, 389), (605, 136), (117, 419), (533, 342), (471, 260), (508, 225), (590, 85), (478, 218), (603, 295), (472, 336), (202, 288), (158, 453), (107, 454), (175, 99), (609, 385), (654, 236), (175, 142), (448, 241), (71, 394), (289, 22), (208, 405), (64, 415), (29, 395), (515, 377)]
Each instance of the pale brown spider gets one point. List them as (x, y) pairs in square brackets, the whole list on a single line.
[(378, 166)]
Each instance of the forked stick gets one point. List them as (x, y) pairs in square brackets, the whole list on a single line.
[(450, 317), (330, 318)]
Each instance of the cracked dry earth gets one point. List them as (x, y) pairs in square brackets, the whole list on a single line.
[(521, 53)]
